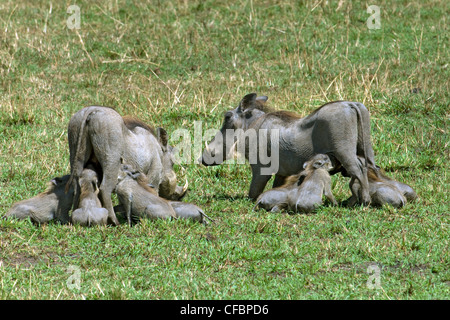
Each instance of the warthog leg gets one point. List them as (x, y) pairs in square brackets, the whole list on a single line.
[(105, 197), (109, 181), (278, 181), (360, 173), (258, 183)]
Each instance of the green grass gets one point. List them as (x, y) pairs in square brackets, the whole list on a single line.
[(175, 62)]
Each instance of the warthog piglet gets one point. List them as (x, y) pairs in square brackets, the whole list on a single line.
[(46, 206), (90, 212), (138, 199), (316, 183)]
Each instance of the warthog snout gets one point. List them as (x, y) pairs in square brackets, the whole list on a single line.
[(171, 191), (208, 157), (180, 191), (207, 160)]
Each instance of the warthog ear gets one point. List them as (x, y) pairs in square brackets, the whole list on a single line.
[(133, 175), (56, 180), (262, 98), (300, 180), (95, 186), (162, 137), (247, 101)]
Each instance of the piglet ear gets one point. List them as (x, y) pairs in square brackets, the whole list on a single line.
[(95, 186), (55, 181), (136, 175), (162, 137), (133, 175), (318, 164), (300, 180)]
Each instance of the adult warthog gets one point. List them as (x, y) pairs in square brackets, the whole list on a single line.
[(340, 129), (101, 137)]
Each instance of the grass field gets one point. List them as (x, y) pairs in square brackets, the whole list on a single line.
[(175, 62)]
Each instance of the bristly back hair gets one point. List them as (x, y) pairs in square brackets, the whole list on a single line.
[(132, 122), (284, 115), (291, 180), (251, 102), (295, 179), (376, 175), (142, 180)]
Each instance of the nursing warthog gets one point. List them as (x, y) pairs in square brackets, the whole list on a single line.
[(101, 137), (53, 203), (382, 192), (90, 212), (316, 183), (138, 199), (302, 192), (340, 129), (385, 190)]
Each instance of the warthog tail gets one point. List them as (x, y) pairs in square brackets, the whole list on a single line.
[(78, 162), (256, 205), (204, 215), (361, 130)]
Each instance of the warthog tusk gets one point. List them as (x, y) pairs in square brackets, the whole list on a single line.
[(233, 153), (185, 186), (207, 147)]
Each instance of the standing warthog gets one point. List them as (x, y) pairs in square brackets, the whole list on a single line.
[(138, 199), (383, 191), (185, 210), (99, 135), (339, 129), (48, 205), (90, 212), (315, 183)]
